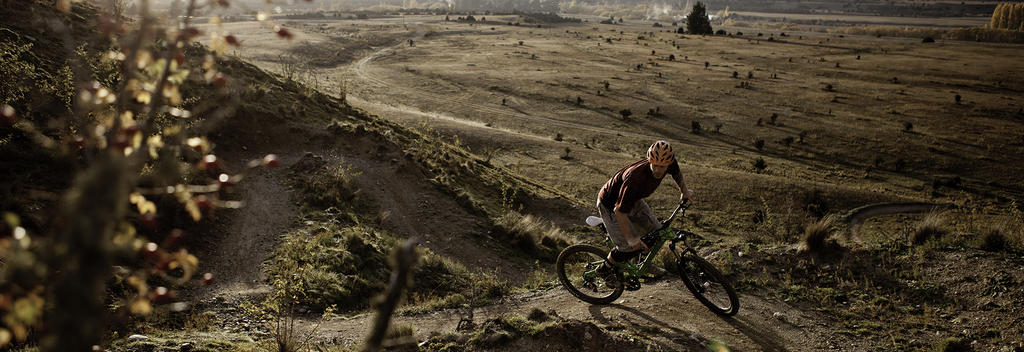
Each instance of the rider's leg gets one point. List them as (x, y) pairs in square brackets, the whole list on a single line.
[(643, 219)]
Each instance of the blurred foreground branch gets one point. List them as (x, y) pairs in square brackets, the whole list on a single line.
[(404, 258)]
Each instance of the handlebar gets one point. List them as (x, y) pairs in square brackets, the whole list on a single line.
[(680, 210)]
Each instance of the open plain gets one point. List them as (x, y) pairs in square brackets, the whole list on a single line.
[(773, 129)]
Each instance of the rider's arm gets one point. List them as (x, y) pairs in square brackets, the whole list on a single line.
[(684, 192)]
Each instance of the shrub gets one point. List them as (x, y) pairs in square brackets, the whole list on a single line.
[(952, 344), (933, 226), (759, 143), (908, 126), (695, 127), (324, 186), (332, 266), (625, 113), (532, 235), (928, 40), (817, 233), (759, 164), (994, 240)]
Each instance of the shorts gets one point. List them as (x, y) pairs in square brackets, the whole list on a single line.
[(641, 221)]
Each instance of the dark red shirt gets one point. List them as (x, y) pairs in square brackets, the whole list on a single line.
[(633, 183)]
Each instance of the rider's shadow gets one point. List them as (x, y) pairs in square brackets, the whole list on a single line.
[(768, 340)]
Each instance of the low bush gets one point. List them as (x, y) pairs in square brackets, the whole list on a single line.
[(532, 235), (933, 226), (994, 240), (322, 185), (816, 235), (331, 265)]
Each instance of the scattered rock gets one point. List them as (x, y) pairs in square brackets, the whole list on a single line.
[(137, 337)]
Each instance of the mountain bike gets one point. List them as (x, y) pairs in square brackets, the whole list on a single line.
[(577, 268)]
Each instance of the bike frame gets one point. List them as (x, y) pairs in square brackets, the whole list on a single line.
[(664, 234)]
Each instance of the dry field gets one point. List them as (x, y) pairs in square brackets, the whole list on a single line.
[(836, 121), (842, 104)]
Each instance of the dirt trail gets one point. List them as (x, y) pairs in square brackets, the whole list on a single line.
[(664, 310), (411, 206), (247, 236)]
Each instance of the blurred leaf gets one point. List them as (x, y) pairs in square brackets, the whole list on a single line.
[(144, 205), (718, 346), (140, 307), (5, 337), (28, 309), (155, 143), (12, 219)]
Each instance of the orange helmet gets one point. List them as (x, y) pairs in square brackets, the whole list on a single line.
[(660, 153)]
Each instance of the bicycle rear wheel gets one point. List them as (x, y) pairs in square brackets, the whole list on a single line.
[(708, 285), (577, 271)]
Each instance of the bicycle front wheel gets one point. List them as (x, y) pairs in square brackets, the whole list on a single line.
[(708, 285), (577, 271)]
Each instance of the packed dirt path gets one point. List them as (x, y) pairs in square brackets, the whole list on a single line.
[(249, 235), (670, 317)]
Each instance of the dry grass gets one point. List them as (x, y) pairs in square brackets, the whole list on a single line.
[(931, 227), (816, 235), (994, 35), (994, 240), (533, 235)]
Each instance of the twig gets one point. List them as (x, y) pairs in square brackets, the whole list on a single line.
[(405, 258)]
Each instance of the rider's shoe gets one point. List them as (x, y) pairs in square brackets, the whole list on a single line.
[(607, 273)]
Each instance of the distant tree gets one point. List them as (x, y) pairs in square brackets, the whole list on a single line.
[(759, 144), (671, 57), (697, 21), (908, 127), (759, 164), (957, 98), (625, 113), (695, 127)]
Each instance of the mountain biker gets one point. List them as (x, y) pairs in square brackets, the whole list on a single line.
[(621, 203)]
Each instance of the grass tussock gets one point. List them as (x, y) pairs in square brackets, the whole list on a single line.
[(994, 240), (932, 227), (533, 235), (332, 265), (817, 236), (323, 185)]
